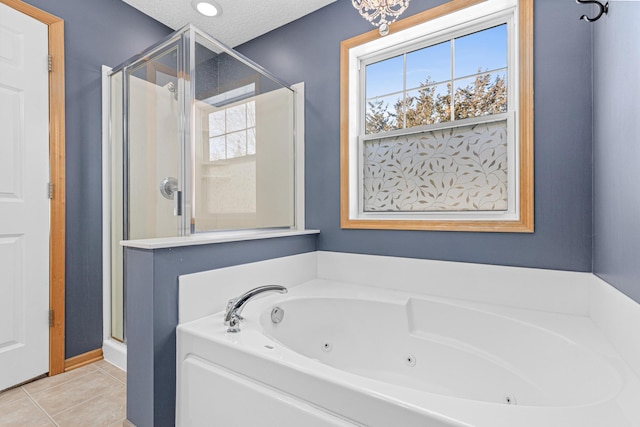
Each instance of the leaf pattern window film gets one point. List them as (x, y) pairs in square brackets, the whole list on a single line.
[(461, 78), (459, 169)]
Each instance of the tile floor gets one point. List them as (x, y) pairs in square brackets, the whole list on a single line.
[(91, 396)]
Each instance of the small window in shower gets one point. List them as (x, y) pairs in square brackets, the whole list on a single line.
[(232, 128)]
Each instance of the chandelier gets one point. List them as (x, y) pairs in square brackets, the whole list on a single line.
[(381, 13)]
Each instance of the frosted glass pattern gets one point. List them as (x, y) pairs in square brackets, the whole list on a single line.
[(459, 169)]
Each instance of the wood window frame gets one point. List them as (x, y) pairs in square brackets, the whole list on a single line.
[(57, 173), (525, 222)]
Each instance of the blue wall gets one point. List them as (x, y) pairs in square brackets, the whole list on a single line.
[(308, 50), (97, 33), (617, 148)]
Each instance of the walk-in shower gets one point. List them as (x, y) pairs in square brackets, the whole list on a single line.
[(201, 139)]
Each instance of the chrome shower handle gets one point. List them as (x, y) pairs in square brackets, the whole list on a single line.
[(168, 187)]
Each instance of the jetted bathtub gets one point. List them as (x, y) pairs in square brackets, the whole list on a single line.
[(346, 355)]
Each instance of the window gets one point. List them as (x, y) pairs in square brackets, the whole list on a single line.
[(232, 132), (437, 120), (414, 88), (232, 128)]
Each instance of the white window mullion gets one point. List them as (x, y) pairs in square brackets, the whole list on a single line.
[(404, 90), (453, 75)]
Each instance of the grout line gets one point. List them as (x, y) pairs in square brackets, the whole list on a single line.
[(14, 399), (59, 384), (116, 378), (81, 403), (98, 369), (112, 376), (65, 385), (40, 407), (93, 397)]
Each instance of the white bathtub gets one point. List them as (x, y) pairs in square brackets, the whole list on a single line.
[(348, 355)]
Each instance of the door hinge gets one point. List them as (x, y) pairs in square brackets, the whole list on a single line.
[(50, 62), (50, 318), (50, 190)]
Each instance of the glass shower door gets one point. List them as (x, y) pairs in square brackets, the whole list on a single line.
[(155, 185), (146, 173)]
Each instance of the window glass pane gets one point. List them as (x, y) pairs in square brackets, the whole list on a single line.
[(385, 77), (236, 118), (382, 114), (216, 123), (482, 51), (481, 95), (429, 65), (217, 150), (460, 169), (428, 105), (251, 114), (251, 141), (236, 144)]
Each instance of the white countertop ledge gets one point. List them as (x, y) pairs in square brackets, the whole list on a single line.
[(211, 238)]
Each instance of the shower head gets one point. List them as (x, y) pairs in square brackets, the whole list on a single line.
[(173, 89)]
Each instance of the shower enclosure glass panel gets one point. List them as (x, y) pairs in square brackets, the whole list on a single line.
[(153, 191), (202, 139), (242, 144)]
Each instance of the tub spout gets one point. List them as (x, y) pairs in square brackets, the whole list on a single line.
[(232, 316)]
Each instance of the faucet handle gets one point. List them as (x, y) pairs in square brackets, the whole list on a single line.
[(227, 313), (234, 324)]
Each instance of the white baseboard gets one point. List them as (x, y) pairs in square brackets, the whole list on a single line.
[(115, 353)]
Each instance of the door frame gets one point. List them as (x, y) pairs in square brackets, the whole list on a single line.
[(57, 178)]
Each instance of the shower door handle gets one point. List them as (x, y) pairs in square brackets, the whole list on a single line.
[(169, 190), (178, 209)]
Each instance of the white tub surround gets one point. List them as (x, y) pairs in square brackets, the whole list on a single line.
[(431, 348), (205, 293)]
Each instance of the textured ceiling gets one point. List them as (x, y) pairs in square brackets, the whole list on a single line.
[(240, 21)]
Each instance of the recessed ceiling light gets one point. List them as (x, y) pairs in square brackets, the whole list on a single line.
[(206, 7)]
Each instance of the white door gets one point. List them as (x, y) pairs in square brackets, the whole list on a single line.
[(24, 202)]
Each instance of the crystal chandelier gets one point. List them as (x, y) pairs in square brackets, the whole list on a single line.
[(381, 13)]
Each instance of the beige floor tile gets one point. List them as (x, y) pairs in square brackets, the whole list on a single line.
[(112, 370), (71, 393), (119, 423), (56, 380), (10, 395), (106, 409), (23, 412)]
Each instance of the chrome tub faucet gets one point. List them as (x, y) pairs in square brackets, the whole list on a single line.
[(232, 316)]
